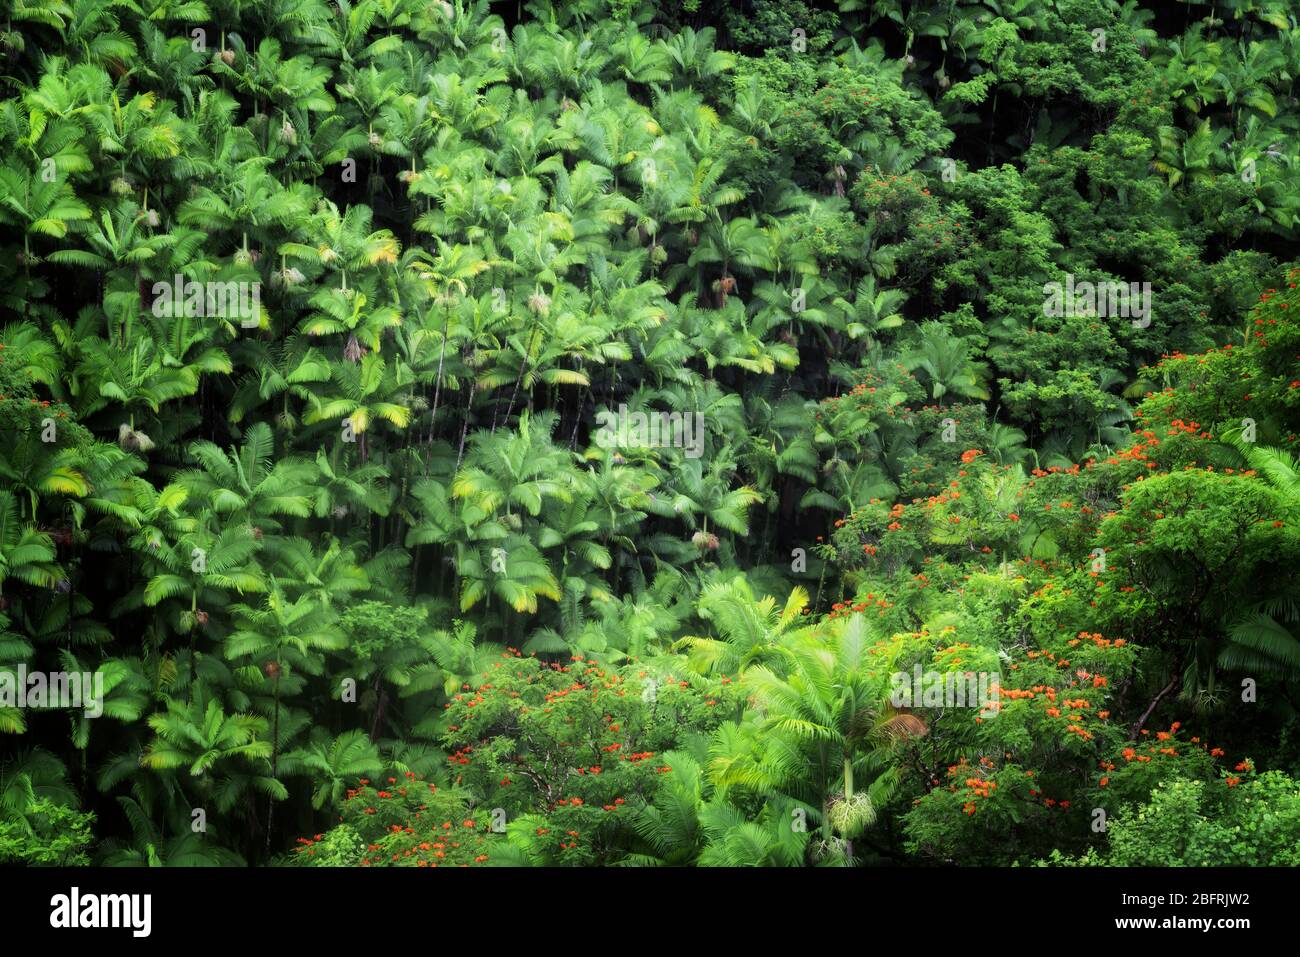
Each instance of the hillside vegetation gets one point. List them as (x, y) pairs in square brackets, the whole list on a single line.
[(613, 432)]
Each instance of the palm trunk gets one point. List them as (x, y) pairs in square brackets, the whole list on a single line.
[(194, 606), (275, 765), (464, 427), (848, 796), (520, 378), (437, 387), (379, 708)]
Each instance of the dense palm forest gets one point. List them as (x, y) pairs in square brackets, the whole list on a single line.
[(631, 433)]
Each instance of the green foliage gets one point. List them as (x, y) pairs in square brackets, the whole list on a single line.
[(1227, 823), (53, 835), (373, 523)]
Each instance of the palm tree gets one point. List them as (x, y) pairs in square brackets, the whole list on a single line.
[(366, 391), (450, 272), (1262, 636), (38, 207), (753, 631), (640, 59), (737, 242), (1193, 157), (945, 364), (284, 369), (515, 470), (30, 776), (26, 554), (694, 59), (823, 730), (221, 756), (334, 764), (691, 491), (340, 486), (688, 823), (136, 377), (873, 309), (249, 485), (199, 736), (513, 569), (148, 847), (34, 468), (280, 638), (572, 527), (249, 199)]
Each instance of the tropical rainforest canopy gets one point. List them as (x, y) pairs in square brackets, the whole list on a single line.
[(609, 432)]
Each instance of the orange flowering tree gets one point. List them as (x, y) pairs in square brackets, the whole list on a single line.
[(566, 753), (403, 820), (1105, 594), (545, 763)]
